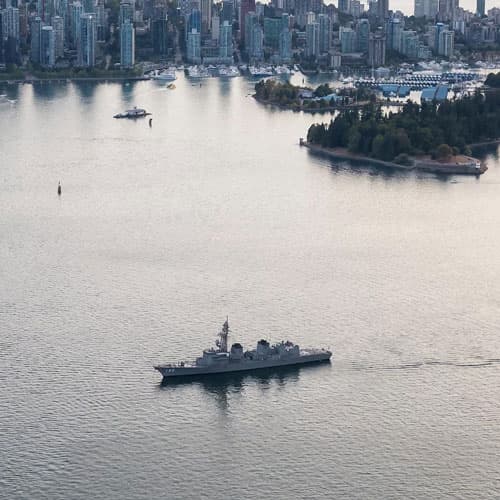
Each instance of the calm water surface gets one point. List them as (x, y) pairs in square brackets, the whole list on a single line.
[(160, 232)]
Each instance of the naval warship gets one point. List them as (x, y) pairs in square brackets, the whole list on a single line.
[(219, 359)]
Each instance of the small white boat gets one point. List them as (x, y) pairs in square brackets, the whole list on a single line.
[(132, 113)]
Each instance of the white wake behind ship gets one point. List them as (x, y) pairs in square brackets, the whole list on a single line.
[(220, 360)]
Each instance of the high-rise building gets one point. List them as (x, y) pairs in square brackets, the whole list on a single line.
[(418, 8), (10, 21), (193, 21), (256, 51), (215, 27), (88, 6), (409, 44), (325, 33), (36, 36), (76, 13), (347, 40), (312, 40), (193, 47), (481, 8), (363, 35), (126, 12), (356, 8), (226, 41), (58, 25), (285, 49), (227, 11), (447, 10), (446, 43), (87, 41), (159, 36), (246, 6), (251, 20), (47, 47), (345, 6), (383, 9), (272, 30), (377, 49), (395, 27), (1, 39), (127, 44), (206, 16)]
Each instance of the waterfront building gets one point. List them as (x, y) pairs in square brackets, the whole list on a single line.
[(285, 40), (246, 6), (226, 42), (36, 36), (193, 21), (446, 43), (272, 30), (76, 13), (2, 60), (395, 28), (58, 25), (377, 49), (312, 40), (227, 11), (159, 36), (127, 44), (256, 51), (363, 35), (47, 47), (126, 12), (409, 44), (347, 40), (215, 26), (193, 48), (86, 50), (102, 21), (206, 16), (325, 33)]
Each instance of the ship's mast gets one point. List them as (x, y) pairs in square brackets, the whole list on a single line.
[(223, 335)]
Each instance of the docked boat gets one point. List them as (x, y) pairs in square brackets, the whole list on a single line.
[(229, 71), (165, 75), (198, 72), (220, 359), (260, 71), (135, 112)]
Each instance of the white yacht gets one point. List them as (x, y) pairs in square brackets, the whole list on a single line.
[(229, 71), (165, 75), (198, 72)]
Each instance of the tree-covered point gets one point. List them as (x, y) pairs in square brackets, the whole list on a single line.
[(493, 80), (277, 92), (415, 130)]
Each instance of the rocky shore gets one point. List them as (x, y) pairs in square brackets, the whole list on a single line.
[(463, 165)]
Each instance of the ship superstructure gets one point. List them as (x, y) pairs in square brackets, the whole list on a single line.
[(219, 359)]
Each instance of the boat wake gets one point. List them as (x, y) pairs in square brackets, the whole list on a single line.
[(482, 363)]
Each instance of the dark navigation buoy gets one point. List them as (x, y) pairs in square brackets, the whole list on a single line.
[(59, 190), (150, 122)]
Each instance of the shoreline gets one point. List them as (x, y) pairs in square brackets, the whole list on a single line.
[(60, 79), (419, 164), (328, 109)]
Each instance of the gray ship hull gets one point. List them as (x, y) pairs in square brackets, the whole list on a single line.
[(169, 372)]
